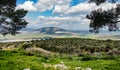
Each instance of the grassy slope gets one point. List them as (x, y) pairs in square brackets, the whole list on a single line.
[(17, 60), (21, 59)]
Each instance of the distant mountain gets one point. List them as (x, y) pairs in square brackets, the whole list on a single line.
[(54, 30)]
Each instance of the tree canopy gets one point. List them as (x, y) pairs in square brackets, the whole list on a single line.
[(101, 18), (98, 2), (11, 20)]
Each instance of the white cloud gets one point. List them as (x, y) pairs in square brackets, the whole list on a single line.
[(85, 8), (70, 23), (60, 9), (59, 20), (107, 6), (62, 6), (43, 5), (28, 5), (81, 8)]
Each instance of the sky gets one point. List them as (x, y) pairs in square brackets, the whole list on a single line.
[(67, 14)]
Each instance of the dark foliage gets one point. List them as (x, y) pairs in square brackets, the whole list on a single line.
[(101, 18), (72, 46), (98, 2), (11, 20)]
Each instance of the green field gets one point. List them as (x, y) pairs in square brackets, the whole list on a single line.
[(32, 54), (11, 60)]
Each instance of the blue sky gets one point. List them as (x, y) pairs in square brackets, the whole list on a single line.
[(67, 14), (47, 12)]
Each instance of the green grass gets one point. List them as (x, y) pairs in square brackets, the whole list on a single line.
[(17, 60), (21, 58)]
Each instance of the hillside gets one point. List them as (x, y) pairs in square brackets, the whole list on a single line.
[(70, 45), (54, 31)]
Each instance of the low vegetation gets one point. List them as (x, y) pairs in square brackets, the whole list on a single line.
[(60, 54)]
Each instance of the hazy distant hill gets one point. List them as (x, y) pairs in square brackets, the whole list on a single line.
[(54, 30), (60, 32)]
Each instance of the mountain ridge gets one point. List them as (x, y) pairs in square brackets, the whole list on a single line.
[(53, 30)]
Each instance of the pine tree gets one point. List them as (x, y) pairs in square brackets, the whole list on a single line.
[(11, 20), (101, 18)]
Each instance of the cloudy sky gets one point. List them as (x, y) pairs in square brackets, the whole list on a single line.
[(67, 14)]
